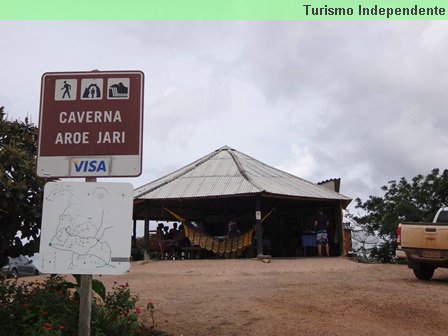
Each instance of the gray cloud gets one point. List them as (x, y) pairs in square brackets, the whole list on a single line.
[(364, 101)]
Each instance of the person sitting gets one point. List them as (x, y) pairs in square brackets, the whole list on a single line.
[(166, 232), (173, 232), (159, 231), (168, 245), (233, 230), (181, 240)]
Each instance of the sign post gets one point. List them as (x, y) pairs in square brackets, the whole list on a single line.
[(85, 305), (85, 298), (91, 125)]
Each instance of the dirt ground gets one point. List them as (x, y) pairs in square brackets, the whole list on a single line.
[(306, 296)]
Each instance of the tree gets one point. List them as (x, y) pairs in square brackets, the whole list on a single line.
[(403, 201), (21, 190)]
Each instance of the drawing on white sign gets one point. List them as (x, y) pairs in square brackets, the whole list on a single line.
[(81, 232), (84, 229)]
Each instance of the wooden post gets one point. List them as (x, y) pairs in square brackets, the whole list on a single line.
[(85, 299), (341, 231), (258, 226), (85, 305), (146, 233), (134, 232)]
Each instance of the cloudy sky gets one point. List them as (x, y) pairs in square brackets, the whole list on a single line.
[(363, 101)]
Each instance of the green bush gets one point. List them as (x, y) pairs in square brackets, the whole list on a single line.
[(384, 252), (52, 308)]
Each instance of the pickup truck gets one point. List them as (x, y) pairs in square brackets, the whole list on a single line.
[(424, 244)]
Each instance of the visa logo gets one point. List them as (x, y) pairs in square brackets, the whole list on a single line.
[(90, 166)]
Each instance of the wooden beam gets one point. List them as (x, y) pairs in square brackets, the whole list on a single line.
[(146, 231), (258, 226)]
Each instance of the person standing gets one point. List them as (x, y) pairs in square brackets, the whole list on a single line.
[(321, 225)]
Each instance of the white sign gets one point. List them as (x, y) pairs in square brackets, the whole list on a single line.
[(86, 228)]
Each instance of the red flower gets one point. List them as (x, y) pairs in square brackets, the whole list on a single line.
[(47, 326)]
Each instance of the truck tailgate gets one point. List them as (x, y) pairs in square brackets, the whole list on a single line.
[(424, 235)]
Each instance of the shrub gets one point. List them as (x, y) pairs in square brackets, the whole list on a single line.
[(384, 252), (51, 307)]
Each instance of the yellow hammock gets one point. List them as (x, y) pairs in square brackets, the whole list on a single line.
[(223, 246)]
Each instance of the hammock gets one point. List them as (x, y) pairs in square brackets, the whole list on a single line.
[(223, 246)]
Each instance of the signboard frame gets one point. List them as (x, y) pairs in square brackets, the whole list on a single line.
[(91, 124)]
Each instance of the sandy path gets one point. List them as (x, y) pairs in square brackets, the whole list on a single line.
[(308, 296)]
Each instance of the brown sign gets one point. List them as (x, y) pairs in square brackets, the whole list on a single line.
[(90, 114)]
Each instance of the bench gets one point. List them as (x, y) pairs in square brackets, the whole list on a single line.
[(191, 252)]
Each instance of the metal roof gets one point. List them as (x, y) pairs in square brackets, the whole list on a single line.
[(228, 172)]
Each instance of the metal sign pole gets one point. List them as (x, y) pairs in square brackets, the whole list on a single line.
[(85, 301)]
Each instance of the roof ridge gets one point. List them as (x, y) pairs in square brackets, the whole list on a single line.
[(182, 171), (242, 171)]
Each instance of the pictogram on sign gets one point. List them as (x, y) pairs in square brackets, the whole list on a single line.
[(65, 89), (92, 88)]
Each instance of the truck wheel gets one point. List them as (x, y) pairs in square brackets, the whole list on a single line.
[(425, 272)]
